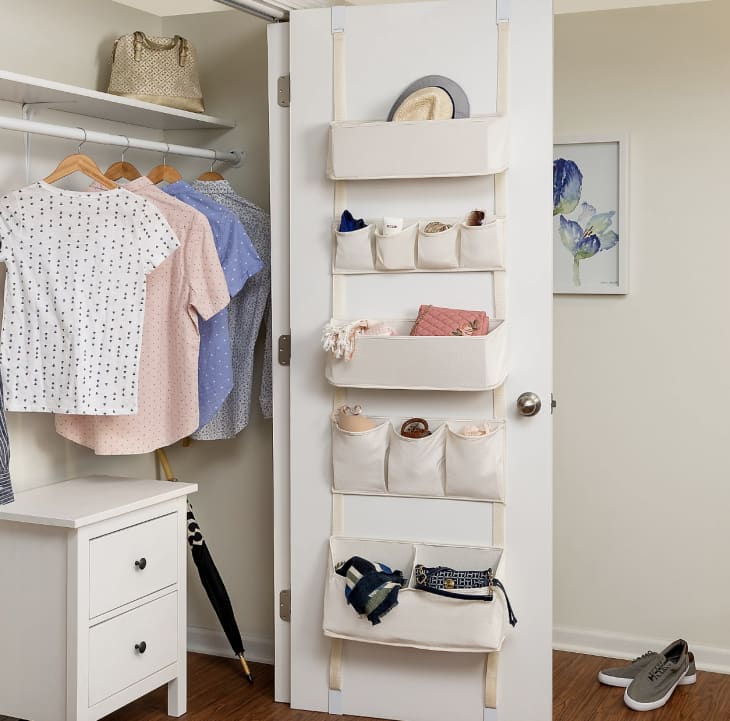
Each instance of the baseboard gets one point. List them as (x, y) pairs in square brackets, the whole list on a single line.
[(613, 645), (259, 649)]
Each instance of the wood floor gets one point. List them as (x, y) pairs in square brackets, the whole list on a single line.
[(218, 693), (577, 695)]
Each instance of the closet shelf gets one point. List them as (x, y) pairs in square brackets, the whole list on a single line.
[(16, 88), (439, 363), (420, 620), (418, 149)]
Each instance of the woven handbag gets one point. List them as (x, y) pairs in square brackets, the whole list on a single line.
[(157, 70)]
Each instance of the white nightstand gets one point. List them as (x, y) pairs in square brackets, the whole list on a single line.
[(92, 597)]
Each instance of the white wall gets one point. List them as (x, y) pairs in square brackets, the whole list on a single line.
[(234, 504), (641, 491)]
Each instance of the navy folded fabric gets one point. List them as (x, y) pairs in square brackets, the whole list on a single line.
[(372, 588), (348, 223)]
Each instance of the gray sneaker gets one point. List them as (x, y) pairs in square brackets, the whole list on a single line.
[(655, 683), (623, 675)]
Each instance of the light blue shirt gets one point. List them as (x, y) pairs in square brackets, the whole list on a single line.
[(240, 261)]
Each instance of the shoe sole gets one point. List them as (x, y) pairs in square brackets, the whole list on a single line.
[(617, 682), (652, 705)]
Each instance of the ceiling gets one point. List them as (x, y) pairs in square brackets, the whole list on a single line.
[(185, 7)]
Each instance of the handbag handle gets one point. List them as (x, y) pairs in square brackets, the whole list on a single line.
[(140, 40), (415, 428)]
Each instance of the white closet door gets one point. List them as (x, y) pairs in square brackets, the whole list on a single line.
[(387, 47)]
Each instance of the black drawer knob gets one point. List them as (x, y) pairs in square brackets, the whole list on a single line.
[(141, 564), (140, 647)]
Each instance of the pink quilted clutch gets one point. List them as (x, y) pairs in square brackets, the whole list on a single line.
[(433, 320)]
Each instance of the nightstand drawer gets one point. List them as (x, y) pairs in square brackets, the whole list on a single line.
[(132, 563), (131, 647)]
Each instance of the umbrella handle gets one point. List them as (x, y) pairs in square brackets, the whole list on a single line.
[(246, 669), (165, 463)]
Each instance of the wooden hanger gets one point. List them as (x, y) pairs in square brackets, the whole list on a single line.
[(211, 175), (122, 169), (78, 162), (164, 171)]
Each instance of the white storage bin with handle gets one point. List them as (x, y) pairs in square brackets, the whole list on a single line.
[(420, 620), (482, 246), (354, 250), (416, 465), (398, 250), (358, 458), (475, 464), (438, 250)]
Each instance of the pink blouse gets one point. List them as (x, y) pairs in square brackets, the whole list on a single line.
[(189, 282)]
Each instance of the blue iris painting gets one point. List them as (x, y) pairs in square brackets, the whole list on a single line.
[(582, 230)]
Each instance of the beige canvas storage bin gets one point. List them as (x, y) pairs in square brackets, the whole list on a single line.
[(418, 149), (420, 620), (438, 250), (447, 363), (354, 250), (358, 458), (416, 465), (482, 246), (397, 251), (475, 464)]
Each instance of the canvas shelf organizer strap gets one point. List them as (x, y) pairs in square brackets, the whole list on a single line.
[(157, 70), (338, 293)]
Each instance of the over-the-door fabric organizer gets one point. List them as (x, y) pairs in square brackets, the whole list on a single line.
[(446, 465)]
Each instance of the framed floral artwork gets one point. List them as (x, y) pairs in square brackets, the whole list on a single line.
[(590, 215)]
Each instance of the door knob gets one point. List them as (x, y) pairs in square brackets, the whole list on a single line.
[(529, 404)]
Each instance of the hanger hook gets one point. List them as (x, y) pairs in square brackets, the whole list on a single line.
[(164, 154), (126, 147), (212, 162), (83, 130)]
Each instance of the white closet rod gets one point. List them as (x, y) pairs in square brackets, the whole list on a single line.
[(260, 9), (233, 157)]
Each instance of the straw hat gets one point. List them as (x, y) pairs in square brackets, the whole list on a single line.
[(433, 97), (426, 104)]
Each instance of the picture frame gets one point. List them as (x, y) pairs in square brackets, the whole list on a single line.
[(590, 214)]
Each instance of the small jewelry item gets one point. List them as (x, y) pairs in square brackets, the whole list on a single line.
[(436, 227), (476, 217), (351, 419), (475, 431)]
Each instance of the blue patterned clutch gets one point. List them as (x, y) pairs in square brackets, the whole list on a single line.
[(464, 585)]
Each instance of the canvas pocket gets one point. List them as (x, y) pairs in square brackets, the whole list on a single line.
[(475, 464), (398, 251), (355, 249), (438, 250), (482, 246), (359, 459), (416, 465)]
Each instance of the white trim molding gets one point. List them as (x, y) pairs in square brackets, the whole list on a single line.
[(259, 649), (613, 645)]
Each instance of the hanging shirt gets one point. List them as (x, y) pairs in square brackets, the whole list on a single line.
[(6, 487), (190, 283), (245, 315), (75, 295), (240, 262)]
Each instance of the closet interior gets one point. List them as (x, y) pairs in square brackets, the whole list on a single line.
[(289, 500)]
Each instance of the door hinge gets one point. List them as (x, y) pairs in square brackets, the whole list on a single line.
[(285, 605), (284, 350), (284, 91), (553, 404)]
